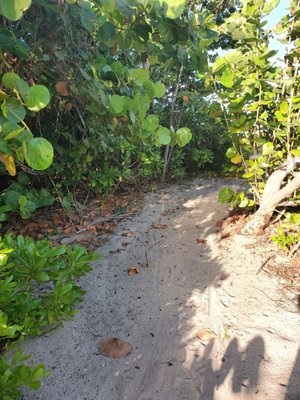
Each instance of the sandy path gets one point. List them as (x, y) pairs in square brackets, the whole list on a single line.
[(186, 287)]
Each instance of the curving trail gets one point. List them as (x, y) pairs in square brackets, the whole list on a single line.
[(187, 286)]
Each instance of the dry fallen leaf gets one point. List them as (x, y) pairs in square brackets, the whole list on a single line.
[(128, 234), (159, 226), (206, 335), (114, 347), (68, 230), (201, 241), (132, 271), (62, 88)]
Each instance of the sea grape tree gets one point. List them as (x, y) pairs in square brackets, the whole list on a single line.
[(261, 99)]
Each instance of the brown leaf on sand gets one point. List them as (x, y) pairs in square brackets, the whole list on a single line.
[(62, 88), (201, 241), (206, 335), (159, 226), (128, 234), (133, 271), (115, 348)]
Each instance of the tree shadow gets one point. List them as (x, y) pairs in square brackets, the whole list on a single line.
[(293, 389), (244, 365)]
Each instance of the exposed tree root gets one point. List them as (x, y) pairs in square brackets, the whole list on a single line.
[(274, 194)]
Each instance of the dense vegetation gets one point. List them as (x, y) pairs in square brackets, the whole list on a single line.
[(95, 93)]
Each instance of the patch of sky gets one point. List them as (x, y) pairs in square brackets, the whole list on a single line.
[(272, 19)]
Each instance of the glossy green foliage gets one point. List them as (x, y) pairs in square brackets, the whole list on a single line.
[(21, 197), (38, 285), (261, 95), (15, 374), (16, 137), (13, 9)]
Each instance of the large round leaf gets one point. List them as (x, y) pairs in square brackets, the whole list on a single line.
[(107, 33), (231, 152), (12, 81), (173, 8), (159, 89), (184, 136), (39, 153), (38, 98), (164, 136), (13, 9), (151, 123), (226, 194), (9, 80), (13, 110)]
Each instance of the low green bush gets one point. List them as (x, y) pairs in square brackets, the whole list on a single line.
[(38, 290)]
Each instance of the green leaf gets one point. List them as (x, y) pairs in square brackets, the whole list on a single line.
[(26, 207), (284, 107), (231, 152), (295, 219), (9, 80), (38, 98), (149, 87), (39, 153), (243, 203), (88, 16), (151, 123), (13, 134), (225, 195), (13, 110), (13, 9), (167, 31), (173, 8), (227, 78), (107, 33), (183, 136), (12, 81), (18, 47), (269, 6), (141, 105), (41, 277), (219, 65), (159, 89), (4, 147), (139, 75), (268, 148), (117, 103), (164, 136)]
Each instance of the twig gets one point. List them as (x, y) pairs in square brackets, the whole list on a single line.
[(61, 202), (294, 249), (72, 237), (264, 263)]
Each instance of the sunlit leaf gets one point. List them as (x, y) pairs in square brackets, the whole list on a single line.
[(183, 136), (231, 152), (164, 136), (13, 9), (151, 123), (38, 98), (159, 89), (9, 163), (39, 153), (227, 78), (226, 194), (236, 159), (268, 148)]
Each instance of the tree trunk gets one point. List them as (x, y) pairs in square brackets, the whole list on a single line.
[(274, 194)]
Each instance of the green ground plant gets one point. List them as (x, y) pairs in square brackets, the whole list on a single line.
[(38, 290)]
